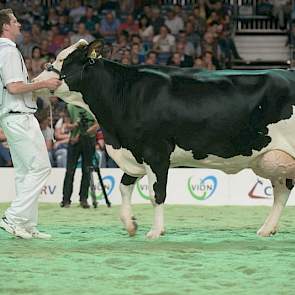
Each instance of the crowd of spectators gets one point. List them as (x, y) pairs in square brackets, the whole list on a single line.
[(137, 32)]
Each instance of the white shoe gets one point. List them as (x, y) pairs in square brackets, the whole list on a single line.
[(14, 229), (39, 235)]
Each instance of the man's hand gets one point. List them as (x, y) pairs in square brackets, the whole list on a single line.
[(52, 83)]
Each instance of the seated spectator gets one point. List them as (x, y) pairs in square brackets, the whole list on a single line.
[(77, 11), (120, 46), (191, 35), (37, 33), (109, 27), (156, 20), (173, 22), (129, 25), (214, 19), (209, 43), (63, 7), (199, 19), (127, 6), (199, 63), (27, 45), (164, 41), (183, 59), (97, 34), (55, 39), (151, 58), (66, 43), (64, 25), (126, 57), (189, 48), (51, 19), (174, 60), (89, 19), (82, 33), (208, 61), (37, 61), (5, 158), (146, 30), (136, 54), (44, 49)]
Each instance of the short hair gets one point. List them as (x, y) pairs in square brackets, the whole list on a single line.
[(4, 18)]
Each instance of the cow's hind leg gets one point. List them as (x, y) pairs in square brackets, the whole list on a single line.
[(277, 166), (281, 195), (126, 216)]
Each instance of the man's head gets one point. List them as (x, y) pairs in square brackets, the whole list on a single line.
[(9, 26)]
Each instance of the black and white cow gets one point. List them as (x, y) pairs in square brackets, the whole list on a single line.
[(155, 117)]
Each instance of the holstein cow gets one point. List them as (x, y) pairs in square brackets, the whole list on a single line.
[(157, 117)]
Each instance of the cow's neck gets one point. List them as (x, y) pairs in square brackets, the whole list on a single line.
[(101, 92)]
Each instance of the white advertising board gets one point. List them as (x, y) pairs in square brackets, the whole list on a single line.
[(185, 186)]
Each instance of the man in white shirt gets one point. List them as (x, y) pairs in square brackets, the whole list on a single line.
[(21, 128), (174, 22)]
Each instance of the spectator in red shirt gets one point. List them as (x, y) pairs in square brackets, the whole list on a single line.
[(130, 25)]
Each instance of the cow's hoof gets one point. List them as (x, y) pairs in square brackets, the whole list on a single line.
[(155, 234), (130, 224), (266, 232), (132, 227)]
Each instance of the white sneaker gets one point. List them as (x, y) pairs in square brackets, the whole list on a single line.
[(14, 229), (39, 235)]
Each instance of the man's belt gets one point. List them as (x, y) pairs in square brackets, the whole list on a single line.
[(17, 112)]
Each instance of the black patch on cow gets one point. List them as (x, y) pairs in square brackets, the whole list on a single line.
[(127, 179), (289, 184)]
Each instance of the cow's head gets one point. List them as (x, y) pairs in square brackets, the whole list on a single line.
[(78, 60), (68, 66)]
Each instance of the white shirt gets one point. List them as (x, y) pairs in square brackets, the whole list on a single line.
[(175, 25), (13, 69)]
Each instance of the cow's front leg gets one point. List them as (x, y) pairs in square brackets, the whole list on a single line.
[(126, 216), (281, 195)]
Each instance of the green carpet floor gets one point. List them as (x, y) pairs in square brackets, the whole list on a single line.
[(206, 250)]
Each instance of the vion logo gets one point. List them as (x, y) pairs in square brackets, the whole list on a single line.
[(109, 185), (202, 188), (143, 188)]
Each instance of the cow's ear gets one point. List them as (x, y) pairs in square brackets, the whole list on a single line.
[(95, 49)]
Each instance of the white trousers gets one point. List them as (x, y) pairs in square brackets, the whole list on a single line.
[(31, 165)]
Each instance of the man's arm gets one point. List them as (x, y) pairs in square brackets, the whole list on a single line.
[(21, 87)]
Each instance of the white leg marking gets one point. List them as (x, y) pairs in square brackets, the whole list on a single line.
[(158, 225), (126, 215), (281, 195)]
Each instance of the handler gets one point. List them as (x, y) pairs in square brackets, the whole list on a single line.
[(26, 142)]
